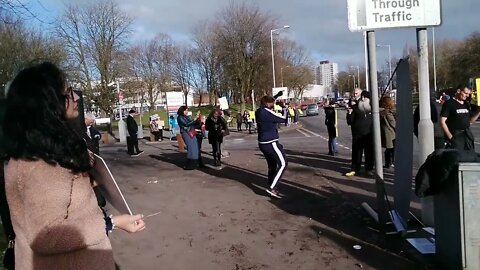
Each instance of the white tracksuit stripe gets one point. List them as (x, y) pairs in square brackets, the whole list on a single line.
[(282, 168)]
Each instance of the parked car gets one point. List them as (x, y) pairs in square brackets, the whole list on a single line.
[(312, 109), (342, 102)]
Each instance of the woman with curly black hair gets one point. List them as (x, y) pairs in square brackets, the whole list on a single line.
[(187, 130), (54, 212)]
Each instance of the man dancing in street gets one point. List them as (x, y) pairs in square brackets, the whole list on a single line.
[(267, 121)]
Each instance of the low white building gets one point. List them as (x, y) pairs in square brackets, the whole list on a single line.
[(314, 91)]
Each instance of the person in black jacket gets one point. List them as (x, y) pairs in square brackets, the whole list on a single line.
[(9, 256), (93, 135), (359, 118), (331, 123), (199, 133), (216, 127), (435, 109), (239, 121), (92, 139), (456, 117), (132, 139)]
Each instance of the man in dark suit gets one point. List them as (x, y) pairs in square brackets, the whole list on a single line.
[(132, 139), (359, 118), (93, 135)]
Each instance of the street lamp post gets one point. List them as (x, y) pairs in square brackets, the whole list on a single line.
[(354, 85), (434, 63), (389, 61), (281, 73), (273, 57), (358, 75), (121, 124)]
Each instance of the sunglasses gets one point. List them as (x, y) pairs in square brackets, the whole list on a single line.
[(72, 94)]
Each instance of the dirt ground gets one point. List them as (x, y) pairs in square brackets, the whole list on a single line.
[(223, 219)]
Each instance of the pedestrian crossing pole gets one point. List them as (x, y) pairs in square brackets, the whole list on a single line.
[(425, 125), (253, 100), (377, 146)]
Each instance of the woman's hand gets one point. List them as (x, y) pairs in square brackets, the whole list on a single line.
[(129, 223)]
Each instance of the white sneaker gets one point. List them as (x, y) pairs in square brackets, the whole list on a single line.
[(273, 193)]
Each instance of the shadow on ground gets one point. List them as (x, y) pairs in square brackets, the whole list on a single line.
[(344, 221)]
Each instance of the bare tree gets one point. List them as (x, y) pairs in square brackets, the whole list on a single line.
[(207, 60), (298, 78), (242, 36), (21, 46), (151, 62), (71, 30), (299, 70), (16, 9), (96, 35), (183, 69)]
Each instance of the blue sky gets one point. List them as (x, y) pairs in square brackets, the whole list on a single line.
[(319, 25)]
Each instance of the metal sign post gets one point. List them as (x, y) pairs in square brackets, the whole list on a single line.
[(366, 15), (425, 126), (377, 145)]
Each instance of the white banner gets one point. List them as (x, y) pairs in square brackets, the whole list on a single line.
[(278, 89), (223, 103), (175, 99)]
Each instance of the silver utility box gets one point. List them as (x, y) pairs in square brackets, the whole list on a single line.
[(469, 187), (457, 220)]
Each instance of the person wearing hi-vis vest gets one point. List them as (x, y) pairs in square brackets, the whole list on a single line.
[(291, 114), (267, 121)]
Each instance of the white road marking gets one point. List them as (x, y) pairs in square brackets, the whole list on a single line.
[(311, 132), (304, 133)]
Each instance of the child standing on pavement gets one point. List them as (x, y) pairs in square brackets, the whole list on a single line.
[(267, 121)]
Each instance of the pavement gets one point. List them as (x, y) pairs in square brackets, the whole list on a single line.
[(223, 219)]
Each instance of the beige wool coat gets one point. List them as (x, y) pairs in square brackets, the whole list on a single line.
[(387, 128), (55, 215)]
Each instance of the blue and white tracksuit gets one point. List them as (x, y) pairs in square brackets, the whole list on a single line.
[(267, 122)]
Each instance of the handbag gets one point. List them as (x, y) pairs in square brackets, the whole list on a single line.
[(192, 132)]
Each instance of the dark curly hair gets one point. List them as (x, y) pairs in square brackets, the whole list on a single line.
[(181, 110), (35, 124)]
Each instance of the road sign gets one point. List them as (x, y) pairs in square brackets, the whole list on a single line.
[(378, 14), (120, 96)]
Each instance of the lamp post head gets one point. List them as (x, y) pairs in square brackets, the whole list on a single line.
[(286, 26), (111, 84)]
